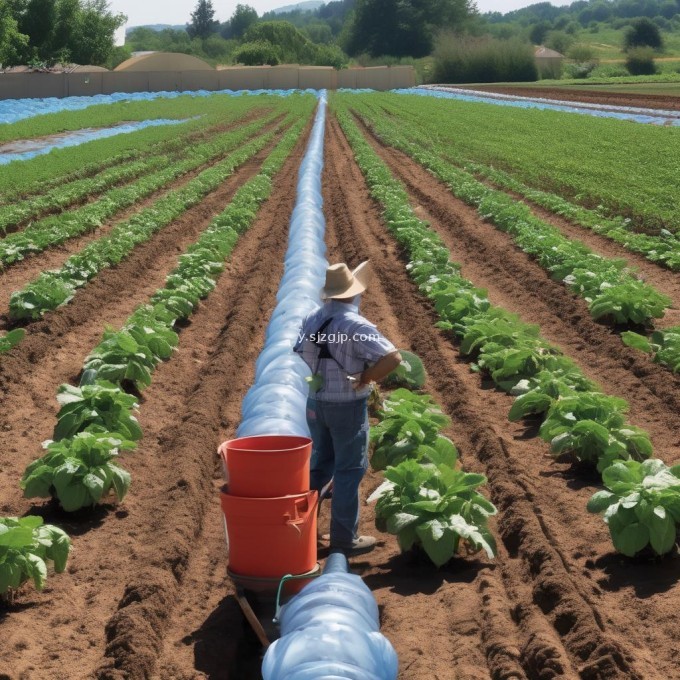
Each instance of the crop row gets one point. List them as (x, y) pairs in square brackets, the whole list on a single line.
[(57, 229), (663, 249), (579, 421), (97, 420), (426, 500), (581, 157), (128, 167), (62, 166), (53, 289), (612, 291)]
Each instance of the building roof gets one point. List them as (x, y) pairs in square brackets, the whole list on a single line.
[(546, 53), (164, 61)]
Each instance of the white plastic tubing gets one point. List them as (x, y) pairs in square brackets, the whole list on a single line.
[(275, 404)]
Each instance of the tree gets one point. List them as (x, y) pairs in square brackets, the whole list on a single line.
[(13, 43), (402, 27), (37, 22), (643, 32), (93, 36), (242, 19), (203, 22), (67, 16), (539, 32)]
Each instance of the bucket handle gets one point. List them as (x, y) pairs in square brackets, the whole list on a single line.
[(301, 516)]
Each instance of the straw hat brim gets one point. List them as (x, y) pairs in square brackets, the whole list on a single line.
[(357, 286)]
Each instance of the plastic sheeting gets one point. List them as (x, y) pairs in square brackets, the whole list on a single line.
[(80, 137), (12, 110), (331, 631), (275, 404), (638, 115)]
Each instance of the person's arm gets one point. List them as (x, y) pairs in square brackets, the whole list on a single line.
[(381, 369)]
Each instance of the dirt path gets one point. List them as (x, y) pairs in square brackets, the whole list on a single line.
[(645, 101), (141, 550), (491, 261), (547, 607)]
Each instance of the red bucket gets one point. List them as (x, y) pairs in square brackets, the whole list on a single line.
[(267, 466), (271, 537)]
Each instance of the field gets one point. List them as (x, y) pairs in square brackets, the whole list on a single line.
[(510, 249)]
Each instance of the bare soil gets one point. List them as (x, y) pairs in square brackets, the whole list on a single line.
[(568, 93)]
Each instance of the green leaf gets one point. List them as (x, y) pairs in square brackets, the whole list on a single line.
[(631, 539), (38, 570), (636, 341), (531, 402), (438, 541), (662, 532), (398, 522), (15, 537), (601, 501)]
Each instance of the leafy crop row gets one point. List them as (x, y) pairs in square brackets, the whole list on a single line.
[(663, 249), (610, 288), (663, 346), (578, 419), (583, 158), (62, 166), (55, 288), (57, 229), (426, 501), (96, 419), (64, 195)]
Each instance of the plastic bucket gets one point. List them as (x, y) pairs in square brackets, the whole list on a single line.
[(267, 466), (271, 537)]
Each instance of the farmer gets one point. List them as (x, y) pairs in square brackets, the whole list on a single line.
[(346, 353)]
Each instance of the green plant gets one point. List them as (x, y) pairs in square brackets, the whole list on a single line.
[(640, 61), (641, 506), (131, 354), (100, 407), (663, 345), (410, 373), (79, 471), (409, 428), (436, 507), (11, 339), (26, 545), (591, 427)]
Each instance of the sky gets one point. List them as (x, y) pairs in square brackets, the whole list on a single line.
[(177, 11)]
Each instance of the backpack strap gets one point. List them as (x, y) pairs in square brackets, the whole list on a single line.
[(324, 349)]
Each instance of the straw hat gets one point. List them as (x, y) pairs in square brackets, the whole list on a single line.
[(342, 283)]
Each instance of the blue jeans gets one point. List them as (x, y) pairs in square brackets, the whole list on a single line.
[(339, 433)]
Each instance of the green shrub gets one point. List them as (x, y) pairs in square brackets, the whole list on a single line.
[(640, 61), (643, 32), (609, 71), (482, 60), (256, 53)]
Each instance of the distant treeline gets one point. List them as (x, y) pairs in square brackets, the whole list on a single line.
[(42, 32)]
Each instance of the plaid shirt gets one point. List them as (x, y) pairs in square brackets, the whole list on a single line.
[(354, 343)]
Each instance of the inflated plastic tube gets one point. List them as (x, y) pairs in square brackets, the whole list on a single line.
[(275, 404), (331, 630)]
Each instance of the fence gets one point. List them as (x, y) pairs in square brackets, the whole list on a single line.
[(40, 85)]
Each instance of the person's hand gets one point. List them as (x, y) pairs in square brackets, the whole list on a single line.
[(361, 382)]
